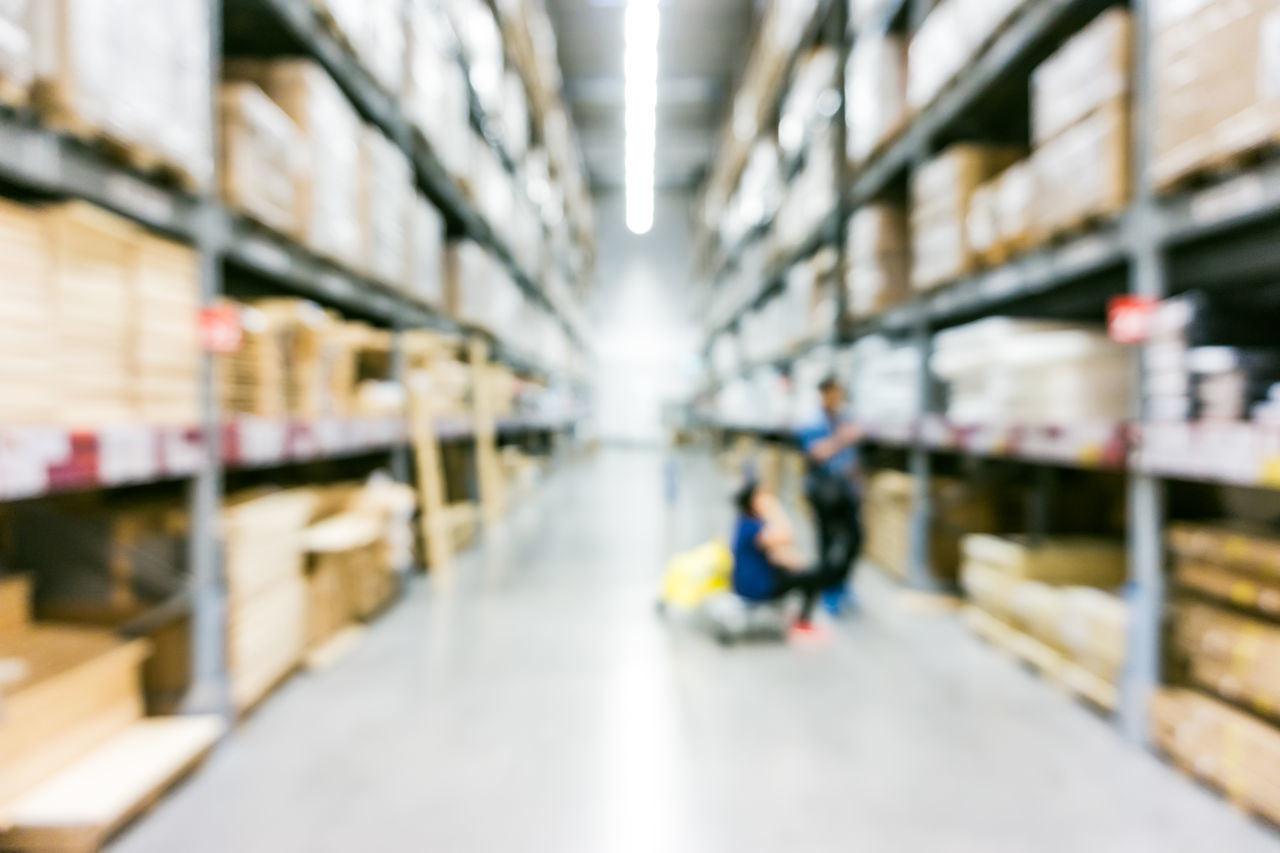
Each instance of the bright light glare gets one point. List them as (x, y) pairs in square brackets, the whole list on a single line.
[(641, 69)]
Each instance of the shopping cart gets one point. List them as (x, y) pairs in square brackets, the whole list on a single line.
[(697, 585)]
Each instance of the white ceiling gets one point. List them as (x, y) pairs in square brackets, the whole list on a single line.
[(702, 44)]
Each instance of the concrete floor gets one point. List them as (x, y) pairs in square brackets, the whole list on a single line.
[(539, 705)]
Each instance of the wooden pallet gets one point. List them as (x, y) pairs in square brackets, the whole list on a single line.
[(1217, 164), (1042, 658), (80, 808)]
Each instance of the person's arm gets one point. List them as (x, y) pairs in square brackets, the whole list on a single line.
[(823, 449)]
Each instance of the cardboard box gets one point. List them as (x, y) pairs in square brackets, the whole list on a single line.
[(1241, 546), (876, 87), (1089, 72), (436, 98), (329, 205), (265, 164), (386, 195), (1086, 170), (879, 259), (1217, 84)]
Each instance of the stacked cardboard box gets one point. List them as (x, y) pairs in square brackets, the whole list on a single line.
[(879, 274), (959, 509), (27, 360), (1234, 656), (1234, 563), (329, 205), (1004, 214), (1225, 747), (811, 196), (349, 574), (876, 87), (265, 165), (941, 194), (814, 83), (1215, 84), (166, 357), (1009, 371), (1080, 125), (426, 253), (436, 98), (140, 80), (1055, 589), (386, 196), (1210, 357), (92, 257), (266, 589), (951, 37), (17, 52)]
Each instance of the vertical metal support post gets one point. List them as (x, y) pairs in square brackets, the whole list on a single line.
[(844, 178), (210, 690), (1040, 513), (401, 463), (1146, 498)]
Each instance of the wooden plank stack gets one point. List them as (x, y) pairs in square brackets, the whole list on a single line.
[(263, 175), (266, 589), (164, 347), (27, 361), (349, 574), (253, 377)]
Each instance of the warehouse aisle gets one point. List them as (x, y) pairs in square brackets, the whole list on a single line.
[(540, 706)]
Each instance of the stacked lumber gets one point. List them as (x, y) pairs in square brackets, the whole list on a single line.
[(1221, 745), (28, 391), (166, 358), (252, 378), (1056, 590), (266, 588)]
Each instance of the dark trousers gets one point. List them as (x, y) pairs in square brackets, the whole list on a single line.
[(809, 584), (837, 510)]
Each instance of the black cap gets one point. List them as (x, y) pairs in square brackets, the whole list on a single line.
[(830, 383), (743, 498)]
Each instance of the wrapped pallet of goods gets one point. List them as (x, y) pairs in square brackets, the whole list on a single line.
[(436, 98), (383, 50), (329, 206), (1232, 563), (1080, 125), (427, 253), (265, 165), (1028, 372), (809, 101), (885, 381), (387, 192), (28, 365), (253, 377), (953, 34), (941, 194), (1234, 656), (166, 357), (959, 509), (1226, 748), (810, 197), (876, 84), (879, 258), (91, 280), (17, 51), (471, 276), (1217, 90), (480, 41), (266, 589), (139, 81)]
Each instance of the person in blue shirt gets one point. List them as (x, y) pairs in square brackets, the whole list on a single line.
[(765, 564), (831, 487)]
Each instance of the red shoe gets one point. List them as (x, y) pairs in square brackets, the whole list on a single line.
[(805, 631)]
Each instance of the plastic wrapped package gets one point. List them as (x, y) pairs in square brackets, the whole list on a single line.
[(471, 275), (490, 185), (811, 196), (876, 83), (17, 50), (28, 390), (1217, 83), (1017, 206), (936, 54), (879, 259), (1085, 170), (481, 43), (811, 101), (134, 72), (515, 116), (885, 381), (383, 48), (265, 165), (329, 206), (1089, 72), (386, 195), (941, 193), (436, 98), (982, 225)]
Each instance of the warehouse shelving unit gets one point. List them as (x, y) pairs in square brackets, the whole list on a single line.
[(1219, 229), (39, 461)]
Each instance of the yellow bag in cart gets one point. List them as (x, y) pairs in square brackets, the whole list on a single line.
[(697, 575)]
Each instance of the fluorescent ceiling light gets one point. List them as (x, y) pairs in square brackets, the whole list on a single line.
[(640, 65)]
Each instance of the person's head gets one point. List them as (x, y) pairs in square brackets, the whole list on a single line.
[(832, 393), (745, 498)]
